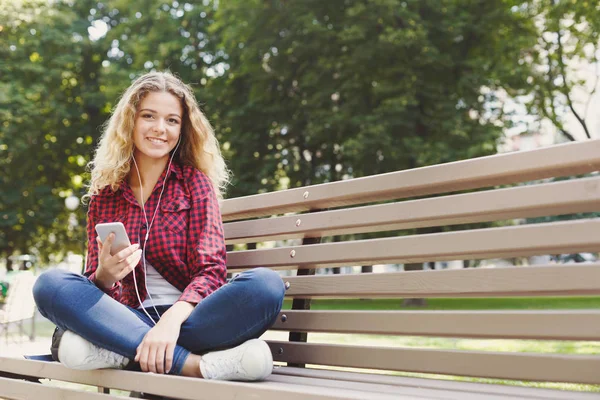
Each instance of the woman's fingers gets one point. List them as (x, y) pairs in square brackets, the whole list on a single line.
[(104, 248), (126, 252), (160, 359), (155, 353), (169, 353), (143, 357), (107, 245), (152, 359), (129, 264)]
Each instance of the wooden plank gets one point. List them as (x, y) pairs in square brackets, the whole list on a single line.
[(540, 325), (557, 198), (186, 388), (21, 390), (560, 160), (518, 366), (377, 388), (430, 383), (543, 280), (524, 240)]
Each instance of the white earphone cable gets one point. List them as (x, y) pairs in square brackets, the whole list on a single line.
[(149, 226)]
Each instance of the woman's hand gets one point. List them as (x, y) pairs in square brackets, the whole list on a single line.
[(155, 353), (112, 269)]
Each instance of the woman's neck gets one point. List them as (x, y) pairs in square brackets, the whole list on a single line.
[(150, 171)]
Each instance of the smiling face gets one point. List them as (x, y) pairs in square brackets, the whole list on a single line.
[(157, 126)]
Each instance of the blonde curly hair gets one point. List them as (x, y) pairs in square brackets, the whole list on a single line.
[(199, 146)]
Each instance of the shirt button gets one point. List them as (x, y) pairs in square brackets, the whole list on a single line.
[(144, 226)]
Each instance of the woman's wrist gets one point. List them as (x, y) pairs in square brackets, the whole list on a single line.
[(178, 313), (102, 282)]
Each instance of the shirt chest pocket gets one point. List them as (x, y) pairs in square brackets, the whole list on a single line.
[(105, 217), (175, 214)]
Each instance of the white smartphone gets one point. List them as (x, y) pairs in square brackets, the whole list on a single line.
[(121, 239)]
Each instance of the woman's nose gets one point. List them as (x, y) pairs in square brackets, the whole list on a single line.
[(160, 125)]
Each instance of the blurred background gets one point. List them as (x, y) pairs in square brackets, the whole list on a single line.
[(299, 92)]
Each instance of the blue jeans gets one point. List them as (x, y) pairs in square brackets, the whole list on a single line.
[(240, 310)]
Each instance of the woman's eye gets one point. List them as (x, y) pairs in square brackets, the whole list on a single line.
[(147, 115), (173, 121)]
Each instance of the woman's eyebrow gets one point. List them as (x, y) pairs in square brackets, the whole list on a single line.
[(156, 112)]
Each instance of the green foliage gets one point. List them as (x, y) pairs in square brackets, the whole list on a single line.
[(298, 92), (320, 91), (50, 110)]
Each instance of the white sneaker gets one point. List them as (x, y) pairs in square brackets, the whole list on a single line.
[(77, 353), (250, 361)]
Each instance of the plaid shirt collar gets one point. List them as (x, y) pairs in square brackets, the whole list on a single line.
[(124, 187)]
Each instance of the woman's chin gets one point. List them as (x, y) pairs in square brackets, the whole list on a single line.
[(154, 154)]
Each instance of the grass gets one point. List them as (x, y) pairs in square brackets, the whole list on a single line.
[(508, 303)]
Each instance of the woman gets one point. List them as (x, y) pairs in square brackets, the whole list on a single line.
[(162, 304)]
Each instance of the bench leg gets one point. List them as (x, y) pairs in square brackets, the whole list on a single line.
[(302, 304)]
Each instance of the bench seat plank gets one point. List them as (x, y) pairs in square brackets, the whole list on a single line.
[(21, 390), (543, 280), (500, 169), (187, 388), (439, 384), (500, 365), (293, 383), (569, 197), (379, 388), (541, 325)]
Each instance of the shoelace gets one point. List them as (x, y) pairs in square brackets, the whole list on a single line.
[(104, 354), (223, 366)]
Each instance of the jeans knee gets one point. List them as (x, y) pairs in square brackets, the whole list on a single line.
[(46, 286), (270, 285)]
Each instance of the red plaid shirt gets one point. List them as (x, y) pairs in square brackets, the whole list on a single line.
[(186, 244)]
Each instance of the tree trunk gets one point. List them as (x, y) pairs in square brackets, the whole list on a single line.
[(9, 261)]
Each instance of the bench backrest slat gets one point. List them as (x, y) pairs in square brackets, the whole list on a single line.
[(557, 198), (546, 280), (540, 325), (526, 240), (500, 169)]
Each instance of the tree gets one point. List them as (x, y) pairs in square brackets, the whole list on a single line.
[(319, 91), (50, 107), (315, 91), (568, 40)]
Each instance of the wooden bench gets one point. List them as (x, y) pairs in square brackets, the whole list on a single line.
[(423, 198)]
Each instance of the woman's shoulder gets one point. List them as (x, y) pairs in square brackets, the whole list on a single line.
[(106, 191), (100, 200), (198, 183)]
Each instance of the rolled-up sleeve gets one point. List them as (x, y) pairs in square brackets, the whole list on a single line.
[(206, 247)]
